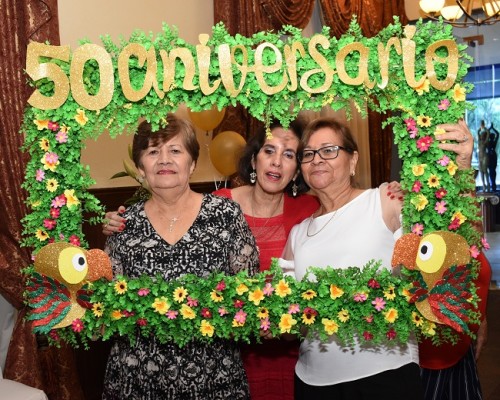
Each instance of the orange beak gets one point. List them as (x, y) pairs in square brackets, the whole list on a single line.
[(99, 265), (405, 251)]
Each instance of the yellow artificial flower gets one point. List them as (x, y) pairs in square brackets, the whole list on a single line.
[(418, 170), (407, 294), (389, 293), (458, 93), (49, 164), (286, 323), (429, 329), (41, 235), (180, 294), (187, 312), (216, 296), (335, 292), (452, 168), (424, 87), (80, 117), (330, 325), (41, 124), (98, 309), (161, 305), (121, 287), (206, 328), (71, 199), (439, 131), (52, 184), (283, 289), (242, 288), (417, 319), (424, 121), (458, 215), (391, 315), (35, 204), (44, 144), (309, 294), (419, 201), (263, 313), (237, 324), (433, 181), (64, 128), (116, 314), (256, 296), (343, 315), (308, 319)]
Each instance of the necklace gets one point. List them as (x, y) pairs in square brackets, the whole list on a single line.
[(172, 223), (334, 213), (268, 218)]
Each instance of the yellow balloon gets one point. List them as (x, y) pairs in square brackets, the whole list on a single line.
[(225, 150), (207, 120)]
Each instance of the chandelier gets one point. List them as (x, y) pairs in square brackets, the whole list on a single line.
[(462, 13)]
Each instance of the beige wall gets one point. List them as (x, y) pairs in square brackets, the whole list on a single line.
[(90, 19)]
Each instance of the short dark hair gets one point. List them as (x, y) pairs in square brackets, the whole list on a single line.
[(348, 140), (256, 142), (145, 137)]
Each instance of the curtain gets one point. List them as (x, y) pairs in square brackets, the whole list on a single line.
[(50, 369), (372, 16)]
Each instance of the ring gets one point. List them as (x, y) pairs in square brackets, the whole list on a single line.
[(465, 138)]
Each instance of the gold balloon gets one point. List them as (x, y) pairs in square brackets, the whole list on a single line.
[(225, 150), (208, 119)]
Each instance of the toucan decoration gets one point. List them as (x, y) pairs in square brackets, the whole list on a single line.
[(442, 291), (58, 290)]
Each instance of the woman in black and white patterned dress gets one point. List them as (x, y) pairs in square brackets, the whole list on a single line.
[(177, 232)]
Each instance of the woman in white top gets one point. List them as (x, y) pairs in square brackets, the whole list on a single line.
[(352, 227)]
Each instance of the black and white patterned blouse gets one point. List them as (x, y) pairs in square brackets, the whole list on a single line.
[(218, 240)]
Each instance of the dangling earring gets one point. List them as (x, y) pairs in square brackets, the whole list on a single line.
[(294, 189), (353, 173), (253, 176)]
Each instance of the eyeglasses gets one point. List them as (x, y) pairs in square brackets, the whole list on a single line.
[(326, 153)]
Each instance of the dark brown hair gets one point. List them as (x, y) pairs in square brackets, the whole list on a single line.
[(256, 142), (145, 137)]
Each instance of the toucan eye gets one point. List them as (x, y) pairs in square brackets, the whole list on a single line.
[(79, 262), (73, 264), (431, 253), (426, 250)]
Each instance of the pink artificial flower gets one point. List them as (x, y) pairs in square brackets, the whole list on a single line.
[(310, 311), (77, 325), (444, 161), (485, 243), (417, 229), (238, 303), (265, 324), (191, 302), (220, 286), (54, 213), (391, 334), (444, 104), (474, 251), (54, 335), (142, 322), (61, 137), (417, 185), (455, 224), (379, 303), (127, 313), (240, 317), (59, 201), (74, 240), (143, 292), (410, 124), (205, 313), (440, 193), (222, 311), (360, 297), (51, 158), (293, 309), (40, 175), (369, 319), (171, 314), (440, 207), (424, 143), (372, 283), (268, 289), (51, 240), (53, 126), (367, 335), (49, 224)]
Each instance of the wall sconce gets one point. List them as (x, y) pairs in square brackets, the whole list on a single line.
[(462, 13)]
